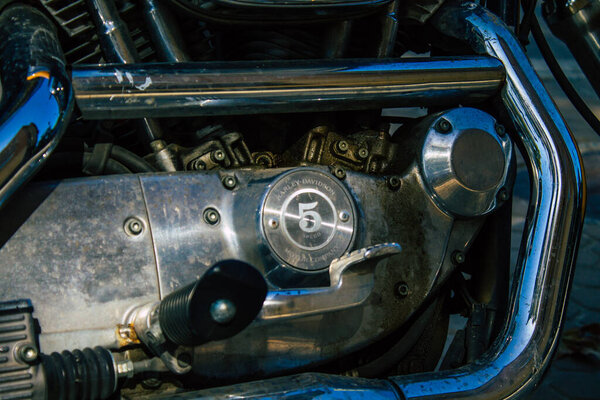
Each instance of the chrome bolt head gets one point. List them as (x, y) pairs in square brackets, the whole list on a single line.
[(458, 257), (218, 155), (342, 146), (28, 353), (394, 182), (222, 311), (338, 172), (133, 226), (344, 216), (503, 194), (211, 216), (273, 223), (363, 152), (443, 126), (402, 289), (229, 182), (500, 130)]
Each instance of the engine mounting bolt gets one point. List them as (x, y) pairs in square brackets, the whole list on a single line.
[(222, 311), (338, 172), (218, 155), (500, 130), (28, 353), (273, 223), (211, 216), (458, 257), (229, 182), (394, 182), (363, 152), (342, 146), (503, 194), (402, 289), (133, 226), (443, 126), (344, 216)]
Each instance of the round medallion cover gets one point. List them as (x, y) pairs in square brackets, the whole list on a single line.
[(308, 219)]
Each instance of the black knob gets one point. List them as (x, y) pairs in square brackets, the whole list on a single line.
[(219, 305)]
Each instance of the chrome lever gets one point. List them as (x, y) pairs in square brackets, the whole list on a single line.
[(346, 290)]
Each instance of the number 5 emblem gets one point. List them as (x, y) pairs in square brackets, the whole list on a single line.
[(307, 216)]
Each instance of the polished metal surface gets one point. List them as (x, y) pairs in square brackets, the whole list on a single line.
[(164, 31), (465, 162), (65, 247), (301, 219), (37, 98), (343, 293), (190, 89), (518, 358), (108, 270)]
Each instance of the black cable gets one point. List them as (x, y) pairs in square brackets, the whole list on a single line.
[(131, 160), (528, 17), (562, 79)]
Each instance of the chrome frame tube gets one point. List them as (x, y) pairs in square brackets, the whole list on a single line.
[(37, 98), (518, 358), (200, 89)]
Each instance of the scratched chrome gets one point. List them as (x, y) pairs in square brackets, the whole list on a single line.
[(37, 98), (518, 358), (239, 88)]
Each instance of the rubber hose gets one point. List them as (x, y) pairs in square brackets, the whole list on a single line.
[(87, 374), (131, 160)]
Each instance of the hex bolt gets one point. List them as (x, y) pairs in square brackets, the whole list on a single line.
[(500, 130), (28, 353), (344, 216), (503, 194), (229, 182), (217, 155), (211, 216), (133, 226), (184, 360), (458, 257), (402, 289), (222, 311), (273, 223), (394, 182), (443, 126), (338, 172), (342, 146), (363, 152)]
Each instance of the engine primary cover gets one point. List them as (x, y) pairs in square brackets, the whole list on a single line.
[(308, 219)]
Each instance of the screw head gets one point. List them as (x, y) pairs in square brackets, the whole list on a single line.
[(402, 289), (133, 226), (503, 194), (342, 146), (443, 125), (28, 353), (500, 130), (273, 223), (222, 311), (363, 152), (394, 182), (458, 257), (218, 155), (338, 172), (229, 182), (211, 216), (344, 216)]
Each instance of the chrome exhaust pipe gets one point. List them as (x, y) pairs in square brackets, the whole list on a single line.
[(37, 99), (517, 359), (201, 89)]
